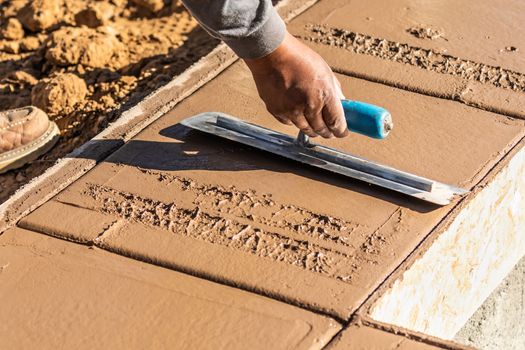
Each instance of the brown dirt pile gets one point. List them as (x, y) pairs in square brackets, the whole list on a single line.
[(84, 62), (59, 94)]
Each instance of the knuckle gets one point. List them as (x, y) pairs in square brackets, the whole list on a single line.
[(309, 132), (274, 111), (302, 124), (311, 105), (333, 121), (321, 130)]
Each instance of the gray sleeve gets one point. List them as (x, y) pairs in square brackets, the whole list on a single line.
[(252, 28)]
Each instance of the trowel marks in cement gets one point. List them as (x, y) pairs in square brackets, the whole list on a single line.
[(428, 59), (242, 220)]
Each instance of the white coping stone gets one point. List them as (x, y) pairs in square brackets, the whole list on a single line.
[(451, 280)]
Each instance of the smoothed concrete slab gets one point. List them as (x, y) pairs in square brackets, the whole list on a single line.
[(56, 294), (467, 51), (195, 191)]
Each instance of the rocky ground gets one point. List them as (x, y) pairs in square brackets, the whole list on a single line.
[(84, 62)]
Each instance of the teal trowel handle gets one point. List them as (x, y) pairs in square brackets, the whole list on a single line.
[(366, 119)]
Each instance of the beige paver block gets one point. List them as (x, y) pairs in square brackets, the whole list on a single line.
[(221, 210), (56, 294)]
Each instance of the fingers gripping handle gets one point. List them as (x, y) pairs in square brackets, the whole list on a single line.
[(367, 119)]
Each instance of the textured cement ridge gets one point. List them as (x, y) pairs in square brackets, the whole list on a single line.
[(219, 228), (428, 59), (230, 200), (478, 31)]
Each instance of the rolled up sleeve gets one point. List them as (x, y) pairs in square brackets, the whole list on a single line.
[(252, 28)]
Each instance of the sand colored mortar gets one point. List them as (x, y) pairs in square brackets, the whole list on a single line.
[(222, 211), (59, 294), (372, 41), (470, 255)]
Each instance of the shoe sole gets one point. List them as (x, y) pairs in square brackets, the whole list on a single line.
[(20, 156)]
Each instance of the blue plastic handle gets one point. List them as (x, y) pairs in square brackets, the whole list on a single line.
[(367, 119)]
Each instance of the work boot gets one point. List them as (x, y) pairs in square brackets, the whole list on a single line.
[(25, 134)]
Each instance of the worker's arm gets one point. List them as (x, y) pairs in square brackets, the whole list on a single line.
[(295, 83)]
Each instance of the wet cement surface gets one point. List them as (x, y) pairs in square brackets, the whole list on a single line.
[(427, 48), (282, 226), (60, 294), (224, 212)]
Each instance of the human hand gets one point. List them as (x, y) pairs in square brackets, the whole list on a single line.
[(298, 87)]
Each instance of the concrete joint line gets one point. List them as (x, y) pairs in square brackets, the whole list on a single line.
[(408, 334), (459, 95), (107, 231)]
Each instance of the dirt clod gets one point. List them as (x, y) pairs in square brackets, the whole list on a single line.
[(86, 46), (20, 78), (10, 47), (423, 32), (12, 29), (60, 94), (39, 15), (30, 43), (152, 5), (95, 15)]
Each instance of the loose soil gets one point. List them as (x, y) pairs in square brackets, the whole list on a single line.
[(84, 62)]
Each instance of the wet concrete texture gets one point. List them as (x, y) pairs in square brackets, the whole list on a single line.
[(487, 27), (225, 212), (498, 323), (60, 294), (421, 47), (221, 211)]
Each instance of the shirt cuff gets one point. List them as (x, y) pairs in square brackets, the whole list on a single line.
[(261, 42)]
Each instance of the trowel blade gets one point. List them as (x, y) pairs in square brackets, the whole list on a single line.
[(323, 157)]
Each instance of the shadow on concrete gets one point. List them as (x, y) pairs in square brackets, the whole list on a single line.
[(193, 150)]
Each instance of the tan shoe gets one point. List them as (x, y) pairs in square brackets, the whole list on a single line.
[(25, 134)]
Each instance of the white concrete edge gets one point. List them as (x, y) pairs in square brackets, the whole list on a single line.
[(469, 259)]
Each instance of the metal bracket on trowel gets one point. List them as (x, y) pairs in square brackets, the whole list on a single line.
[(323, 157)]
